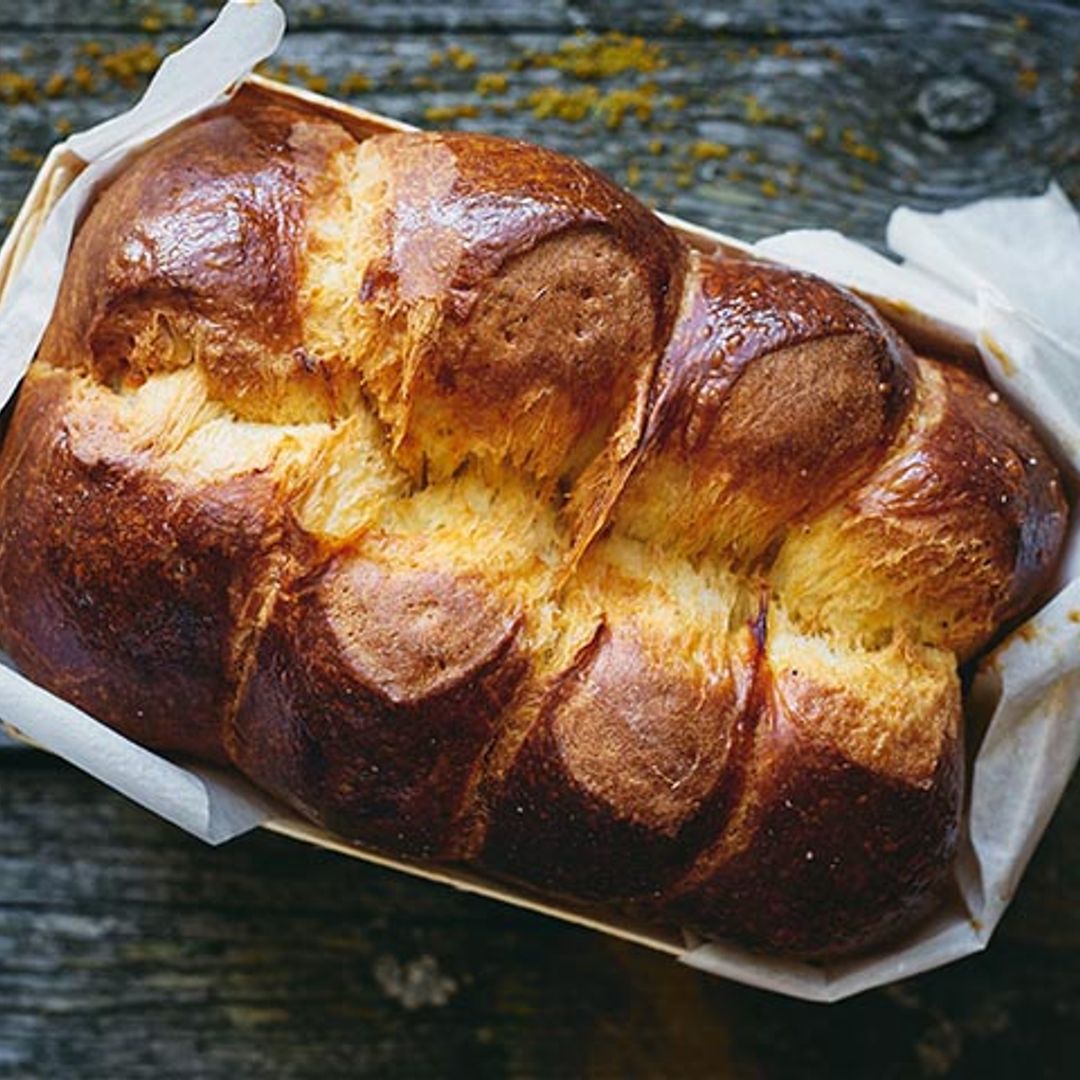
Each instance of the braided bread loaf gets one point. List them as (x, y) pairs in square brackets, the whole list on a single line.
[(433, 482)]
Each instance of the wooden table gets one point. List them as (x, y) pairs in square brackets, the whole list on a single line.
[(129, 950)]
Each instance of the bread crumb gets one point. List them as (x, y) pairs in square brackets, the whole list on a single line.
[(461, 58), (354, 83), (1027, 80), (438, 114), (704, 150), (852, 145), (491, 82), (16, 88), (55, 85), (18, 155), (591, 57), (126, 66)]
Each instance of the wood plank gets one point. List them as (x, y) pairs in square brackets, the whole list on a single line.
[(741, 17), (749, 138), (128, 947)]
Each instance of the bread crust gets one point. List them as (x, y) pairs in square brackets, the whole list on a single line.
[(432, 482), (373, 692)]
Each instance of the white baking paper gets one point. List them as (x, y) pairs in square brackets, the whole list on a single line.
[(193, 79), (1002, 273)]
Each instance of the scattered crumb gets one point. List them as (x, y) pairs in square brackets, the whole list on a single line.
[(128, 66), (55, 85), (461, 58), (83, 78), (704, 150), (853, 145), (18, 155), (754, 111), (614, 106), (1027, 80), (439, 114), (575, 105), (354, 83), (492, 82), (570, 105), (588, 56), (15, 88)]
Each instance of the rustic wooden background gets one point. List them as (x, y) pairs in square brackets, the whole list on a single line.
[(128, 950)]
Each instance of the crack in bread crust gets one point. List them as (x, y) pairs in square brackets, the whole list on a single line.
[(431, 481)]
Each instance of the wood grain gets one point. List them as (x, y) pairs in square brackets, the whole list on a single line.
[(129, 950), (818, 116)]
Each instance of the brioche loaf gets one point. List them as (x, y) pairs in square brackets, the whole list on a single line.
[(433, 482)]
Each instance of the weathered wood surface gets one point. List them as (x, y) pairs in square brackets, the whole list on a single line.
[(815, 105), (128, 950)]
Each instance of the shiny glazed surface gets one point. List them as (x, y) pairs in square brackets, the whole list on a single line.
[(432, 482)]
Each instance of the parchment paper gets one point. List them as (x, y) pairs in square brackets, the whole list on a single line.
[(1004, 273), (202, 801)]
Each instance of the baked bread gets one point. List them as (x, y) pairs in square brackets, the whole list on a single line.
[(432, 481)]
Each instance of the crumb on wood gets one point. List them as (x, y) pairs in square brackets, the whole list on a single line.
[(590, 56)]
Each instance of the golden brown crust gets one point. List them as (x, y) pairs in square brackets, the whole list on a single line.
[(953, 534), (118, 589), (631, 765), (775, 393), (373, 692), (837, 854), (827, 830), (504, 279), (195, 258), (431, 481)]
